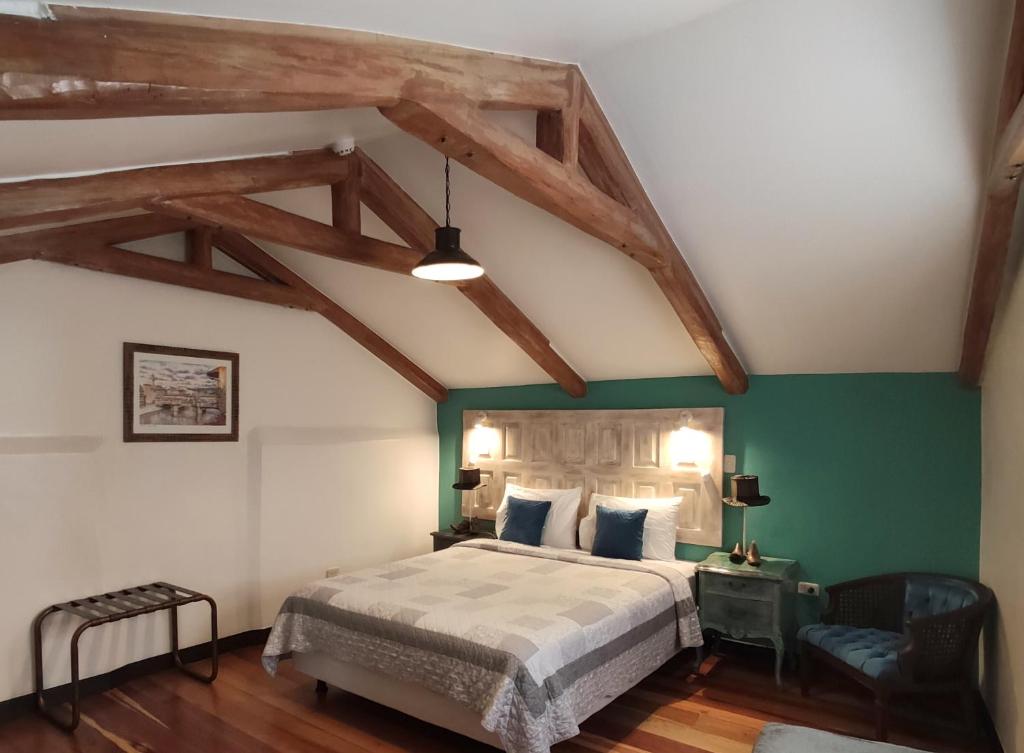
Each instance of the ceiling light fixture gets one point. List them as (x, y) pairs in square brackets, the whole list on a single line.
[(447, 262)]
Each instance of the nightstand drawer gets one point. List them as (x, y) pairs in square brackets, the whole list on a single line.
[(738, 586), (739, 616)]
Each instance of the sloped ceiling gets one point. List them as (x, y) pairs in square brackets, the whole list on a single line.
[(819, 163), (563, 30)]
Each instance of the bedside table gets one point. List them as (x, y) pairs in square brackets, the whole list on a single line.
[(749, 604), (444, 539)]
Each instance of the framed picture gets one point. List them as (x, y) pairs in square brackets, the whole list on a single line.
[(179, 394)]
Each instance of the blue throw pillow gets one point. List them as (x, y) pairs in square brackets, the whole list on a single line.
[(620, 533), (525, 521)]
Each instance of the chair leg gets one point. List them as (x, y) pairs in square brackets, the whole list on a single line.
[(970, 710), (321, 689), (805, 671), (881, 715)]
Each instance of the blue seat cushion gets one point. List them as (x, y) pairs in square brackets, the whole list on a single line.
[(873, 652)]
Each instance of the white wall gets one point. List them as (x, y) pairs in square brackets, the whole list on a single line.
[(819, 163), (1002, 511), (336, 463)]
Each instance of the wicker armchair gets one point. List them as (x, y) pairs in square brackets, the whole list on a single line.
[(901, 633)]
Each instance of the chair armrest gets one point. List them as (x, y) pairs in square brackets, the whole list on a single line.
[(867, 603), (942, 647)]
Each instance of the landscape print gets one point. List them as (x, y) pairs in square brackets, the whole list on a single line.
[(180, 394)]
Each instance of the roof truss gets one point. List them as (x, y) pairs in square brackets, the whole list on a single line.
[(1000, 206), (105, 63)]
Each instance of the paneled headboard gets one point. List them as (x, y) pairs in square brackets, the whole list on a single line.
[(629, 453)]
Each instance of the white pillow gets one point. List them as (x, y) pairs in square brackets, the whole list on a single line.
[(659, 525), (560, 526)]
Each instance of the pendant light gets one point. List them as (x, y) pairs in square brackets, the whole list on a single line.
[(447, 262)]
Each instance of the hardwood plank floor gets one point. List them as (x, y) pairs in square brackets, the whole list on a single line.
[(720, 711)]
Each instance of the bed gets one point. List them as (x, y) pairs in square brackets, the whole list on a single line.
[(509, 644)]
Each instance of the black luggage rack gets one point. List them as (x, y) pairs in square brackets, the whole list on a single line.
[(111, 607)]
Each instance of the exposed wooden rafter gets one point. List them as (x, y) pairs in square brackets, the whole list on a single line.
[(199, 214), (248, 254), (97, 62), (107, 63), (199, 247), (345, 204), (604, 160), (998, 213), (259, 220), (462, 132), (407, 219), (91, 246), (412, 224), (34, 202), (558, 131)]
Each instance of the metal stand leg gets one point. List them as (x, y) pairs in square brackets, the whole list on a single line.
[(213, 645), (70, 721), (111, 607)]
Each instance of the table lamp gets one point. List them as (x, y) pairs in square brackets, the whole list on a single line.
[(468, 481), (745, 493)]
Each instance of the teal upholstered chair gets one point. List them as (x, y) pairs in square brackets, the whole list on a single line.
[(901, 633)]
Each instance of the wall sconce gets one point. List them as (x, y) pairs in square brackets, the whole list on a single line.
[(483, 440), (688, 445)]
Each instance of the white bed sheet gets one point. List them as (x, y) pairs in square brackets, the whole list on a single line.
[(686, 567)]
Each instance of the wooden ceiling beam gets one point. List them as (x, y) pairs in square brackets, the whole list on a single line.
[(44, 200), (258, 220), (199, 247), (105, 63), (144, 267), (399, 211), (88, 246), (461, 132), (94, 62), (997, 215), (92, 245), (558, 131), (99, 233), (604, 160), (1008, 164), (248, 254), (345, 204)]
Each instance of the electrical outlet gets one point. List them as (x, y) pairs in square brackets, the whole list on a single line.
[(332, 572), (809, 589), (729, 464)]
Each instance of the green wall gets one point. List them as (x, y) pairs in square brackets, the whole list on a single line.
[(868, 473)]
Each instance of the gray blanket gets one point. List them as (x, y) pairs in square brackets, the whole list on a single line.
[(511, 631)]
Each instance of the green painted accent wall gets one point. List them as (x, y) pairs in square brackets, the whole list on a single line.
[(868, 473)]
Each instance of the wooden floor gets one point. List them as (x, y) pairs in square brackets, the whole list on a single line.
[(245, 711)]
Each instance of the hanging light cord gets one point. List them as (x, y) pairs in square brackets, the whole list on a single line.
[(447, 194)]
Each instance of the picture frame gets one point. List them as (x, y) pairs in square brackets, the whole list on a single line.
[(176, 394)]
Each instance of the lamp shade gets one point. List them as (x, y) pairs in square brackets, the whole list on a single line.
[(468, 480), (745, 492), (447, 262)]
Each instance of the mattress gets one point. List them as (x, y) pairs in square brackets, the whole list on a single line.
[(530, 639)]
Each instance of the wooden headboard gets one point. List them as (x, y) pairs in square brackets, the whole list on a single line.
[(619, 452)]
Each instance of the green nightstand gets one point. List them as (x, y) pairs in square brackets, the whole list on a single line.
[(749, 604)]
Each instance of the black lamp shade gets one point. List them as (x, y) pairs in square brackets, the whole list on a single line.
[(746, 492), (469, 479), (447, 262)]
